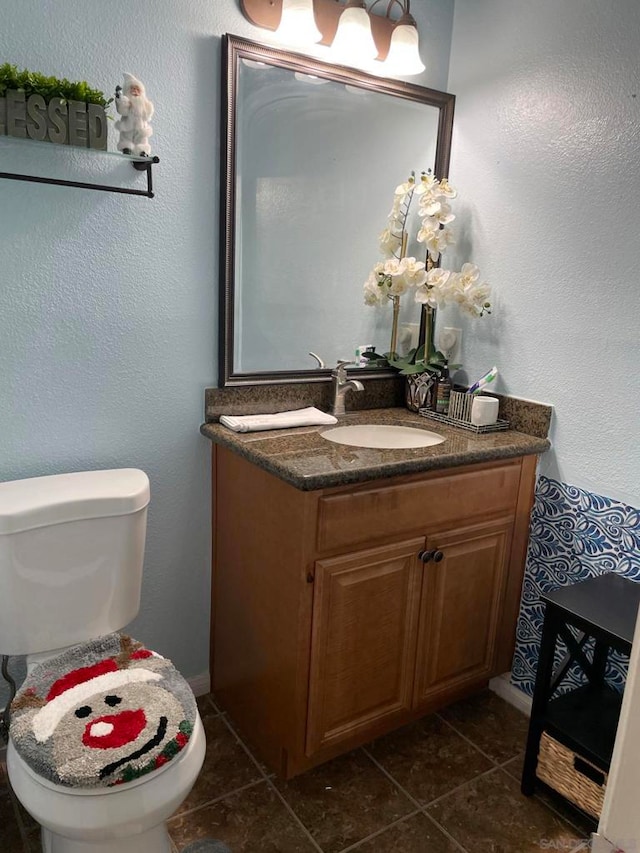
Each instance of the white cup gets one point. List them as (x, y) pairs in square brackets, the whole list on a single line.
[(484, 410)]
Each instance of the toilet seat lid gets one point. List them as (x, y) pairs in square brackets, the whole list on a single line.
[(101, 714)]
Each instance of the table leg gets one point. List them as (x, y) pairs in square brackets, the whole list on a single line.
[(540, 699), (600, 655)]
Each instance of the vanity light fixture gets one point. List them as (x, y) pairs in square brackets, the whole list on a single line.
[(297, 23), (353, 42), (355, 33), (403, 58)]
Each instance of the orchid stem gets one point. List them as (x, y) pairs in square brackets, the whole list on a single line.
[(394, 326)]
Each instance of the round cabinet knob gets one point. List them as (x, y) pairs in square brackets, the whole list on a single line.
[(425, 556), (437, 556)]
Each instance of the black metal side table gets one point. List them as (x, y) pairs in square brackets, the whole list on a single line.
[(585, 719)]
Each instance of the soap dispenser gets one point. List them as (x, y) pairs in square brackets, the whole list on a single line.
[(443, 390)]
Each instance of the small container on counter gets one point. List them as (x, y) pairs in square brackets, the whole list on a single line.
[(443, 391)]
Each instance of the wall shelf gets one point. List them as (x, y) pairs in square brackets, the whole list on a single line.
[(140, 164)]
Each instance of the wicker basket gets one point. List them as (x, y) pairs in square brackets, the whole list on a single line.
[(581, 782)]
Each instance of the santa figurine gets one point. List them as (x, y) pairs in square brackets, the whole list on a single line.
[(136, 111)]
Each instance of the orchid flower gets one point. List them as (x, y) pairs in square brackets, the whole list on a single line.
[(434, 291), (438, 210), (435, 287), (446, 189), (389, 242), (426, 184), (405, 188)]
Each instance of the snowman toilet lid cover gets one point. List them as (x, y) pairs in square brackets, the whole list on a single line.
[(101, 714)]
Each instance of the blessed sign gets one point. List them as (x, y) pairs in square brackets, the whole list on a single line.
[(64, 122)]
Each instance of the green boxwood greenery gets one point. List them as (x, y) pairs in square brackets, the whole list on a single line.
[(33, 83)]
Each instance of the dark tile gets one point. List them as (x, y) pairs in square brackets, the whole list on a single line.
[(246, 740), (494, 726), (515, 766), (10, 838), (578, 820), (206, 705), (249, 821), (428, 758), (34, 842), (344, 801), (557, 803), (226, 766), (490, 815), (416, 834)]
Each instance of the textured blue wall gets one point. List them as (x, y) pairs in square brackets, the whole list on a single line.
[(108, 303), (546, 158)]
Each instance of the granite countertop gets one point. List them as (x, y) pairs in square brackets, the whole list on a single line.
[(307, 461)]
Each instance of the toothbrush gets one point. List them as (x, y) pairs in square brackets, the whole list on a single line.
[(484, 380)]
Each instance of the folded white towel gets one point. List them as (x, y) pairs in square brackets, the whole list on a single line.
[(282, 420)]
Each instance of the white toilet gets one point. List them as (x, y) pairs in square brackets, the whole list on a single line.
[(71, 555)]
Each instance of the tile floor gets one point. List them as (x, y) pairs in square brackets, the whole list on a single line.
[(446, 784)]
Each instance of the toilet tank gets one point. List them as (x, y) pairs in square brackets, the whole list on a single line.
[(71, 555)]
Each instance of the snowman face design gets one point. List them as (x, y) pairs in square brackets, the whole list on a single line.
[(108, 732)]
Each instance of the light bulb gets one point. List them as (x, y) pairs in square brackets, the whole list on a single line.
[(403, 58), (353, 43), (298, 23)]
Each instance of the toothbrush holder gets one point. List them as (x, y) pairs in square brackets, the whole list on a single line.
[(460, 406)]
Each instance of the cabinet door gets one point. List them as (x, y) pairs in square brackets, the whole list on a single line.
[(365, 615), (460, 608)]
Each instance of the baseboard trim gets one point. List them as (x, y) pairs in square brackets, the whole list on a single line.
[(200, 684), (513, 695), (599, 844)]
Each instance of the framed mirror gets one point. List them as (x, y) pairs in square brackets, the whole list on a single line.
[(311, 156)]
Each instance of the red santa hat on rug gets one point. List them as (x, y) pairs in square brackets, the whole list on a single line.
[(80, 684)]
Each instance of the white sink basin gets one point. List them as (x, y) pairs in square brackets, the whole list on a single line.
[(388, 437)]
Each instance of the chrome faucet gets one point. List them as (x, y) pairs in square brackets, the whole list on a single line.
[(340, 385)]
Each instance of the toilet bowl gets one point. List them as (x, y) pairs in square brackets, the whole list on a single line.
[(71, 556), (123, 819)]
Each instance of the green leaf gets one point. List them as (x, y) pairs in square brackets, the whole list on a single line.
[(411, 355), (375, 360), (412, 369), (420, 353), (400, 363)]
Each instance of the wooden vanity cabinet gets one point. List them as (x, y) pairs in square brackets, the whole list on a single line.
[(341, 614), (363, 641)]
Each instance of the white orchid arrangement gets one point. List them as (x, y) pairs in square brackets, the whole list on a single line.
[(434, 287), (444, 287), (394, 276)]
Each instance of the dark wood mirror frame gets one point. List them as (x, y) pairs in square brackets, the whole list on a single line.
[(235, 49)]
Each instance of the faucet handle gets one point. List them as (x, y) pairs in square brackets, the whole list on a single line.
[(340, 370)]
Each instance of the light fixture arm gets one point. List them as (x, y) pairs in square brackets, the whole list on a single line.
[(404, 6)]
